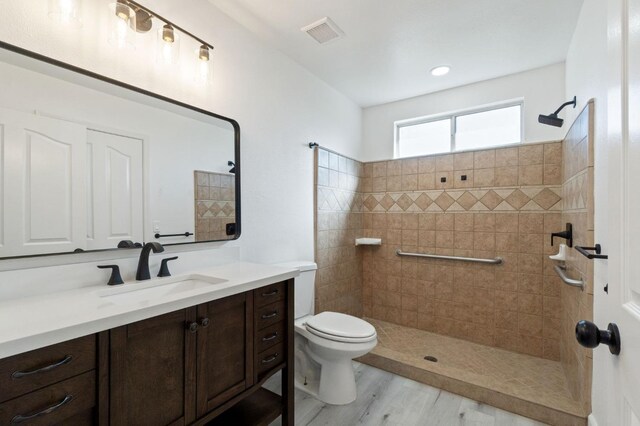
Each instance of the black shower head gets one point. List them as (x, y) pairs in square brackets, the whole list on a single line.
[(552, 119), (233, 166)]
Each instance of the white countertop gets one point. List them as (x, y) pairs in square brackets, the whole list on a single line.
[(37, 321)]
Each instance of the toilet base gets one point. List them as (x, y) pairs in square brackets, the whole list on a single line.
[(337, 383)]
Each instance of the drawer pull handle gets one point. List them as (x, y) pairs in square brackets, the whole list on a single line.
[(270, 359), (18, 374), (271, 293), (271, 337), (21, 419), (271, 315)]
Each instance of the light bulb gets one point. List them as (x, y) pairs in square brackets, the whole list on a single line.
[(204, 73), (66, 11), (168, 46), (168, 34), (123, 23), (203, 53)]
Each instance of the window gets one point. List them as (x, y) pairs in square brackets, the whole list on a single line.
[(475, 129)]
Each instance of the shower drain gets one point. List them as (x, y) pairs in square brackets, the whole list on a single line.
[(431, 358)]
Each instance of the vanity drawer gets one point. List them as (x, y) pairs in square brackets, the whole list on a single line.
[(267, 360), (23, 373), (270, 314), (269, 336), (269, 294), (68, 402)]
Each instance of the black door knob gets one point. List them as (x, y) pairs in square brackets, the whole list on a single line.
[(192, 327), (589, 336)]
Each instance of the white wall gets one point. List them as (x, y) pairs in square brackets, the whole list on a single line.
[(543, 90), (586, 77), (280, 106)]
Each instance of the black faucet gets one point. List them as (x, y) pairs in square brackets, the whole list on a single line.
[(143, 262), (566, 234)]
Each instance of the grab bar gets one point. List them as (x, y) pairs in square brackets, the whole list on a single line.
[(496, 261), (560, 270)]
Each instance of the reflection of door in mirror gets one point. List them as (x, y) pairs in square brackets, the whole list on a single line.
[(114, 189), (66, 187), (43, 202), (215, 205)]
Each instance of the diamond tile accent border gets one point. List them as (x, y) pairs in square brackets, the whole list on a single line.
[(544, 198)]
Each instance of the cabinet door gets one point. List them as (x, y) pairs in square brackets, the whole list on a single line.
[(225, 348), (152, 371)]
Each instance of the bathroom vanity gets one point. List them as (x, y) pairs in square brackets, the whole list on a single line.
[(201, 364), (98, 169)]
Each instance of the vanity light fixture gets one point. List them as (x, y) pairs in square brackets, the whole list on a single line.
[(66, 11), (440, 70), (140, 19)]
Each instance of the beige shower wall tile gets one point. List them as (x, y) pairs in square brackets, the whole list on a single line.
[(484, 159), (463, 161), (531, 154), (506, 157)]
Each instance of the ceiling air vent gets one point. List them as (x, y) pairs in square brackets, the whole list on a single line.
[(323, 31)]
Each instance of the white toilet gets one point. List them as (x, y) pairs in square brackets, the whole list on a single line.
[(326, 343)]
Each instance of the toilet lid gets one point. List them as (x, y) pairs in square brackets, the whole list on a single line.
[(340, 325)]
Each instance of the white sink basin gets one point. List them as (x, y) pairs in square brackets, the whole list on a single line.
[(141, 293)]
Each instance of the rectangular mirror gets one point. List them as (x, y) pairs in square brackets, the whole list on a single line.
[(88, 163)]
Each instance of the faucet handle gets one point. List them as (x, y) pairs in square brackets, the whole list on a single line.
[(115, 278), (164, 268)]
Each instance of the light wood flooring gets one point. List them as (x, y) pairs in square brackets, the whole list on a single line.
[(387, 399)]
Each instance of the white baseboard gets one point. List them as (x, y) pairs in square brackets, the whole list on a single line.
[(591, 420)]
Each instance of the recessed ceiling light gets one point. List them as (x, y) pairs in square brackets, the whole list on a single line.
[(440, 70)]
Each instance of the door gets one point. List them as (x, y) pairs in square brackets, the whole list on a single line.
[(225, 347), (114, 189), (617, 378), (42, 197), (152, 371)]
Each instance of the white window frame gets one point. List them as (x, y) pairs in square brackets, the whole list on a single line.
[(452, 116)]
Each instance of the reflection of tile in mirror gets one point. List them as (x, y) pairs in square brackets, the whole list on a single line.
[(215, 204)]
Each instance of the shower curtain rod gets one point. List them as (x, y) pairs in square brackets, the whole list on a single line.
[(313, 145), (496, 261)]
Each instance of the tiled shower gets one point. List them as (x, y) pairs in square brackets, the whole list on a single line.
[(502, 202)]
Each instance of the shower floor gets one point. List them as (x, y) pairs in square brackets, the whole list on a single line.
[(526, 385)]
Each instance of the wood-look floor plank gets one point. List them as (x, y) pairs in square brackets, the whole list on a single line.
[(385, 399)]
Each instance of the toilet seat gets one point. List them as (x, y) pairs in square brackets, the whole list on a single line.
[(341, 328)]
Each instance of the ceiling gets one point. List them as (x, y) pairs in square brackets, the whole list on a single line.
[(390, 46)]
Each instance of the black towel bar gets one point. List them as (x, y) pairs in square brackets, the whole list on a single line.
[(585, 252), (186, 234)]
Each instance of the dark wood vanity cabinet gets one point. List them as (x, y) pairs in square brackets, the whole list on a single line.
[(198, 365), (203, 365)]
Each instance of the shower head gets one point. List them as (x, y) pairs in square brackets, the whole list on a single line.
[(552, 119), (232, 165)]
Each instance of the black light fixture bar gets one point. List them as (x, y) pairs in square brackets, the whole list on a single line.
[(166, 21)]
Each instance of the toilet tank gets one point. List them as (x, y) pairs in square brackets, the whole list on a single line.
[(304, 286)]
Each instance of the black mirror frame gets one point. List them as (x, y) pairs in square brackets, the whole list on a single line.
[(91, 74)]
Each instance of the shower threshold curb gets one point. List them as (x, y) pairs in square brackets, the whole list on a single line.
[(479, 393)]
